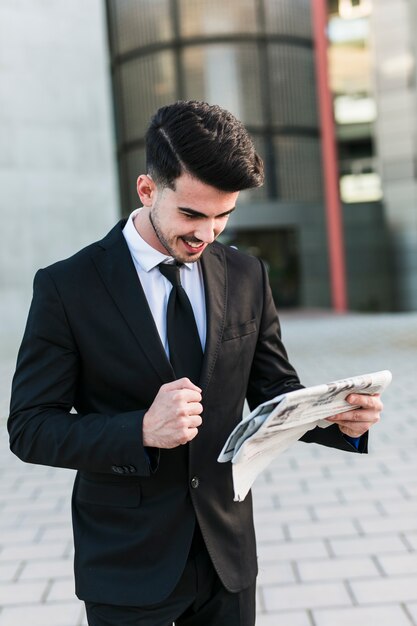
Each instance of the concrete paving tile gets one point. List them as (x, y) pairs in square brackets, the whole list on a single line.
[(287, 597), (411, 539), (385, 590), (44, 517), (32, 552), (412, 610), (302, 499), (368, 545), (346, 511), (21, 593), (291, 550), (284, 618), (34, 506), (18, 535), (380, 493), (62, 590), (62, 614), (271, 532), (314, 529), (400, 507), (391, 524), (337, 569), (8, 571), (62, 532), (371, 616), (274, 573), (288, 515), (58, 568), (399, 564)]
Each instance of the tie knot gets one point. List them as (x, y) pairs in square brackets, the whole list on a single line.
[(171, 272)]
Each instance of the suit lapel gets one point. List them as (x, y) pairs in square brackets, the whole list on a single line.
[(116, 268), (215, 287)]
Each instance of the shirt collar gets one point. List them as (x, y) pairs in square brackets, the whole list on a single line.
[(143, 254)]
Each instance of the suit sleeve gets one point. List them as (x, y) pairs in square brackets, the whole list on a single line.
[(272, 374), (42, 427)]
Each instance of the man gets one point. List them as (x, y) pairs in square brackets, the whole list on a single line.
[(110, 334)]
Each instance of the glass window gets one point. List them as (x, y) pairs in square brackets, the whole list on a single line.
[(199, 17), (288, 17), (146, 84), (225, 74), (137, 23), (299, 172), (292, 85)]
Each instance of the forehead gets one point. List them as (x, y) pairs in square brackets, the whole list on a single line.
[(193, 194)]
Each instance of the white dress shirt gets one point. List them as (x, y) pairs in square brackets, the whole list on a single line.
[(157, 288)]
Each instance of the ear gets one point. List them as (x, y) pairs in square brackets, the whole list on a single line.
[(146, 189)]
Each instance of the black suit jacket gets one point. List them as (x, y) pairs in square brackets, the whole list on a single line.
[(90, 365)]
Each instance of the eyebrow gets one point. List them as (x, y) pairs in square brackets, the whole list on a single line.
[(194, 213)]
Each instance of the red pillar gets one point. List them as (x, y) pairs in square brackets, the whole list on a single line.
[(329, 158)]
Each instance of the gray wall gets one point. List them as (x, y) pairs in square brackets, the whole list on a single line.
[(394, 47), (57, 170)]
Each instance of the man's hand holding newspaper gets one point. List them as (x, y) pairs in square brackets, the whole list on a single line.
[(352, 403), (366, 413)]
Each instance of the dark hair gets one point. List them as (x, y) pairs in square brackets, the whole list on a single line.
[(205, 141)]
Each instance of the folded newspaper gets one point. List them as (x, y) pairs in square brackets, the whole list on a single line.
[(274, 425)]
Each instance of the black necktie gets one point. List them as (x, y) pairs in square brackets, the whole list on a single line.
[(185, 352)]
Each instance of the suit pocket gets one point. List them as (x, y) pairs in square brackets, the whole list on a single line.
[(239, 330), (108, 494)]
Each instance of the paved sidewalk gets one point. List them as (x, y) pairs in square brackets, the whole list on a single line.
[(337, 532)]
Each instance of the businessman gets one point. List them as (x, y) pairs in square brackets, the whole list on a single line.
[(138, 354)]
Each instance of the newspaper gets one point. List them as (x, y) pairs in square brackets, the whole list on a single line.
[(274, 425)]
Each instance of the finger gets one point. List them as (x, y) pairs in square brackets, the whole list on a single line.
[(189, 436), (187, 384), (181, 383), (360, 415), (195, 421), (366, 401), (353, 432), (186, 396), (194, 408)]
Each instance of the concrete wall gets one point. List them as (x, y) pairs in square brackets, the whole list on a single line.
[(394, 50), (57, 169)]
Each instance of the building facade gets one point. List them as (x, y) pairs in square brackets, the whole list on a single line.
[(255, 58), (79, 81)]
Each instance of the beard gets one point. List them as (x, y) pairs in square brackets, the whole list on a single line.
[(168, 244)]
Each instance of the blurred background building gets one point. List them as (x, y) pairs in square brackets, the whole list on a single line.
[(79, 82)]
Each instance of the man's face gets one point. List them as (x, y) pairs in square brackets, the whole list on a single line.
[(182, 223)]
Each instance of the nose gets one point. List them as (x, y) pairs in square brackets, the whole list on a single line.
[(206, 232)]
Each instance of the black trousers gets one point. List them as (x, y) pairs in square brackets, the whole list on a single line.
[(199, 599)]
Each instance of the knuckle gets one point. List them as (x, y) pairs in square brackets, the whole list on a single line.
[(183, 438)]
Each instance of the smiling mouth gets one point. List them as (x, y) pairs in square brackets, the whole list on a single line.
[(194, 245)]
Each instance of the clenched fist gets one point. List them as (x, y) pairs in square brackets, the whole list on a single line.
[(174, 416)]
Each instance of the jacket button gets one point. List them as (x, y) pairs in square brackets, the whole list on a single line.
[(195, 482), (117, 469), (132, 469)]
